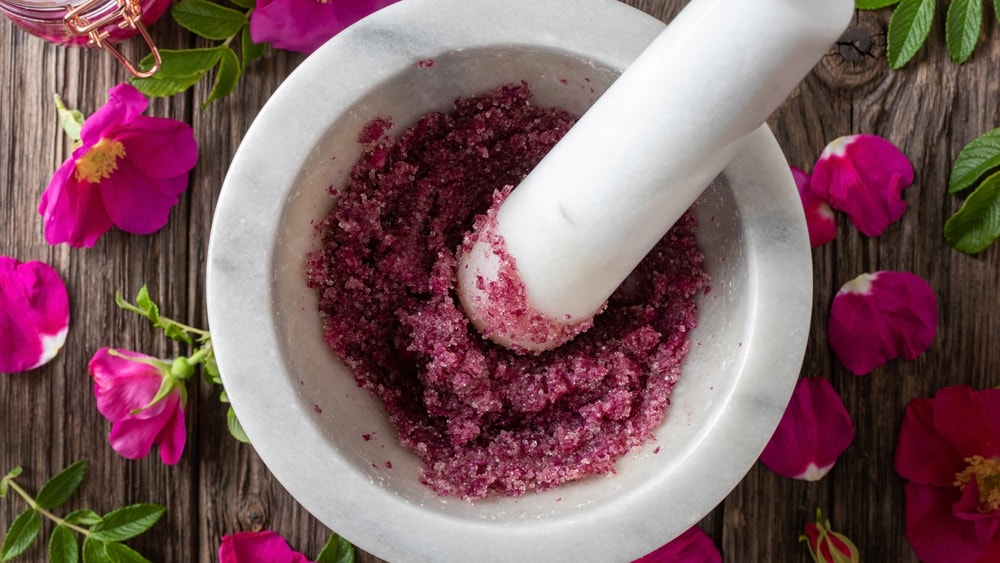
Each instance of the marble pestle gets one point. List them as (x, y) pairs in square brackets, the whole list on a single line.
[(581, 221)]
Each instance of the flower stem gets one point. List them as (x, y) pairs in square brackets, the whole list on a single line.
[(34, 505)]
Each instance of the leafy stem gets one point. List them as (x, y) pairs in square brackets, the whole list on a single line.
[(44, 512)]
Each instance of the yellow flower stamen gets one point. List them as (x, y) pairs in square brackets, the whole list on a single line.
[(987, 474), (100, 161)]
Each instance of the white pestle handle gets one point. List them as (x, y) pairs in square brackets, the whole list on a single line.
[(583, 219)]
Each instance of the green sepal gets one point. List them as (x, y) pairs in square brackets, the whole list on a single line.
[(874, 4), (977, 158), (62, 485), (235, 428), (963, 24), (126, 522), (63, 547), (252, 51), (167, 386), (976, 225), (71, 120), (180, 70), (208, 19), (226, 76), (22, 533), (909, 26), (336, 550)]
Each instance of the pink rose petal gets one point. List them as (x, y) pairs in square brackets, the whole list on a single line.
[(304, 25), (863, 176), (34, 314), (257, 547), (693, 546), (812, 434), (881, 316), (819, 216)]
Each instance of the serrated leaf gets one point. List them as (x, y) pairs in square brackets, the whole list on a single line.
[(62, 485), (336, 550), (121, 553), (174, 331), (977, 158), (180, 70), (212, 371), (251, 51), (963, 24), (909, 26), (208, 19), (875, 4), (63, 547), (975, 226), (126, 522), (94, 552), (235, 428), (146, 304), (226, 77), (83, 517), (22, 533)]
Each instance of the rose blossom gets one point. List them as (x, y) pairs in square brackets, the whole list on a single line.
[(257, 547), (949, 453), (304, 25), (144, 398), (881, 316), (693, 546), (812, 434), (34, 314), (863, 176), (128, 172)]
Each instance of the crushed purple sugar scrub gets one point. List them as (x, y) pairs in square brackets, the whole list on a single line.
[(484, 419)]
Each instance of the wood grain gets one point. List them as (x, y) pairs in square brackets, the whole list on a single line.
[(48, 418)]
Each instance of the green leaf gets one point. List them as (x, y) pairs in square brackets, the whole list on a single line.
[(909, 26), (83, 517), (875, 4), (336, 550), (975, 226), (211, 368), (180, 70), (173, 330), (996, 9), (71, 120), (235, 428), (22, 533), (94, 551), (126, 522), (120, 553), (61, 486), (252, 51), (63, 547), (208, 19), (147, 305), (226, 77), (4, 483), (963, 25), (977, 158), (248, 4)]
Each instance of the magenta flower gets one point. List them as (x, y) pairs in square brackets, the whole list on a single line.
[(693, 546), (34, 314), (144, 398), (812, 434), (258, 547), (128, 172), (863, 176), (949, 452), (304, 25), (827, 546), (819, 216), (881, 316)]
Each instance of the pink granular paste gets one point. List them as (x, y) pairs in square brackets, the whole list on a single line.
[(484, 419)]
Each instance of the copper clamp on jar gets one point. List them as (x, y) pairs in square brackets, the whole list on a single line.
[(98, 23)]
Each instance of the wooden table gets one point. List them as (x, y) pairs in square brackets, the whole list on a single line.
[(48, 417)]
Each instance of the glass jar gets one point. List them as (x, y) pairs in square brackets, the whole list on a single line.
[(98, 23)]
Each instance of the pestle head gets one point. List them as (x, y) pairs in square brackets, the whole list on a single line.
[(534, 274)]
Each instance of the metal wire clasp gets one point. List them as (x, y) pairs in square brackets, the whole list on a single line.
[(128, 14)]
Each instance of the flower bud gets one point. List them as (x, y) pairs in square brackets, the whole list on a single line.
[(827, 546)]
